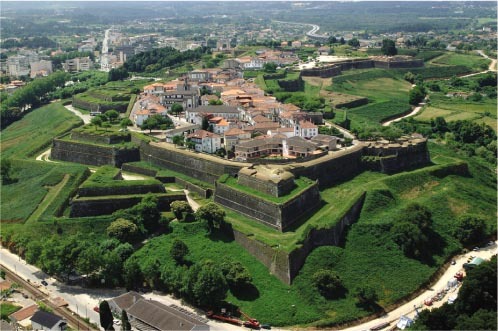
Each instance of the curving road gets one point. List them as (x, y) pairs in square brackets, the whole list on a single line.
[(85, 117), (415, 111)]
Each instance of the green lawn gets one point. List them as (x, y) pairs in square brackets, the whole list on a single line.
[(476, 62), (34, 133), (7, 308)]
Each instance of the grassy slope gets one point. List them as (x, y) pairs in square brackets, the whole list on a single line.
[(21, 198), (35, 131), (387, 95), (469, 60)]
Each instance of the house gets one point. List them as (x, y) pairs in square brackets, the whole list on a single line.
[(46, 321), (123, 302), (185, 95), (324, 50), (140, 116), (205, 141), (219, 125), (233, 136), (325, 142), (194, 115), (180, 132), (21, 318), (199, 75), (153, 315), (306, 130), (279, 145)]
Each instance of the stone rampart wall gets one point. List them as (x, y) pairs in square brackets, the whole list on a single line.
[(106, 206), (97, 139), (267, 186), (80, 152), (120, 190), (263, 211), (332, 170), (396, 159), (138, 170), (353, 103), (286, 266), (205, 193), (187, 163), (278, 216), (412, 63), (323, 72)]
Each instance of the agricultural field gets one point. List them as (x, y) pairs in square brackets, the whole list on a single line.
[(34, 133)]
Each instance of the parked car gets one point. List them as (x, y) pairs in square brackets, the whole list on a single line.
[(453, 262), (44, 283), (97, 309), (476, 249)]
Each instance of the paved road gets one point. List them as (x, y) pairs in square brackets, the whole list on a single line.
[(408, 308), (85, 117)]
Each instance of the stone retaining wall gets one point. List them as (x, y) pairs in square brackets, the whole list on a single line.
[(97, 139), (80, 152), (278, 216), (120, 190), (286, 266), (108, 205)]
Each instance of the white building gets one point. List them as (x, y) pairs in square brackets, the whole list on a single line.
[(78, 64), (205, 141), (18, 65), (194, 115), (305, 129)]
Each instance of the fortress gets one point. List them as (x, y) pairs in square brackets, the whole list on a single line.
[(276, 195)]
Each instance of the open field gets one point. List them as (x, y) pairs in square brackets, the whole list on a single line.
[(452, 109), (35, 131)]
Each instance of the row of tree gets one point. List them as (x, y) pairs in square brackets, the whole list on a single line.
[(30, 96)]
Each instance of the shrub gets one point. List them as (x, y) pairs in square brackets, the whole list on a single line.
[(328, 283)]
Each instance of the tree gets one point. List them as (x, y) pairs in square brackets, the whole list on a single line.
[(176, 109), (416, 95), (125, 323), (417, 214), (388, 47), (270, 67), (179, 207), (106, 319), (118, 74), (409, 238), (112, 115), (97, 121), (157, 122), (236, 274), (205, 123), (213, 214), (6, 171), (332, 40), (210, 287), (365, 295), (123, 230), (178, 251), (328, 283), (147, 212), (469, 229), (342, 41), (125, 122), (178, 140), (132, 274), (354, 42)]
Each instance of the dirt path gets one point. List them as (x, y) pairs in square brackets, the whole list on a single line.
[(415, 111), (491, 67), (408, 308), (191, 201), (53, 192), (86, 118), (45, 156)]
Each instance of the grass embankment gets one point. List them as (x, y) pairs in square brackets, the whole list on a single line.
[(386, 91), (28, 194), (475, 62), (108, 176), (6, 309), (34, 133), (368, 255)]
